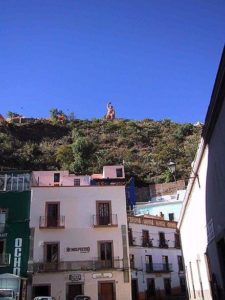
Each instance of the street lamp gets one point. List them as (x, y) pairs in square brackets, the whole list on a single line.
[(172, 168)]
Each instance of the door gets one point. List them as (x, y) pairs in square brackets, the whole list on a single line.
[(74, 290), (149, 265), (3, 259), (151, 288), (167, 286), (40, 290), (165, 262), (52, 214), (134, 289), (106, 254), (103, 212), (51, 256), (106, 291)]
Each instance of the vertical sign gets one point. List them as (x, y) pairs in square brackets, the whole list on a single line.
[(17, 256)]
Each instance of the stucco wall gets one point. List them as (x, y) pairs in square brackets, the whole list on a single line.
[(194, 235)]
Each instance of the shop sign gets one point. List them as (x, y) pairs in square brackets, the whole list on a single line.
[(79, 249), (17, 256), (75, 277), (102, 275)]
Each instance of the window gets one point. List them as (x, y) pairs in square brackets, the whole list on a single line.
[(165, 262), (180, 263), (130, 236), (162, 240), (148, 261), (171, 216), (77, 182), (3, 215), (52, 214), (105, 253), (119, 172), (177, 240), (103, 213), (132, 261), (56, 177), (145, 238)]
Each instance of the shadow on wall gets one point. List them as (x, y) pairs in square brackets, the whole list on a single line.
[(214, 136)]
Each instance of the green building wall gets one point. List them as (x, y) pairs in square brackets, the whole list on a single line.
[(16, 232)]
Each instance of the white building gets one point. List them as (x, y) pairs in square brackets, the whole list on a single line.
[(202, 222), (79, 241), (168, 205), (155, 258)]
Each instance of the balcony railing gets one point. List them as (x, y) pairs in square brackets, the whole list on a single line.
[(5, 259), (147, 243), (15, 181), (158, 268), (163, 244), (88, 265), (50, 222), (105, 221)]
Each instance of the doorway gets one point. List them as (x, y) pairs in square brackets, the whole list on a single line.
[(134, 289), (106, 291), (105, 249), (167, 286), (41, 290), (74, 290)]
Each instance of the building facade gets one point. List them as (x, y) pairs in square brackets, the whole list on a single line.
[(167, 205), (14, 231), (155, 258), (79, 236), (203, 209)]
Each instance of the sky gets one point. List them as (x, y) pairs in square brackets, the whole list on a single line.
[(153, 59)]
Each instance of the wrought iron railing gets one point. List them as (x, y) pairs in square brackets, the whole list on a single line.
[(87, 265), (108, 220), (163, 244), (147, 243), (158, 267), (50, 222), (15, 182)]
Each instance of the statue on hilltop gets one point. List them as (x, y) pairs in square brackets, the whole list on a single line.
[(110, 115)]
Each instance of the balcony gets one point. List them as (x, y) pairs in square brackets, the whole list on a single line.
[(5, 259), (88, 265), (51, 223), (147, 243), (158, 268), (163, 244), (105, 221)]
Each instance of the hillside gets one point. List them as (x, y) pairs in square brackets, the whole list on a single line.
[(83, 146)]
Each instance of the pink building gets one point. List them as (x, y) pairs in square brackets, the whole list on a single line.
[(64, 178)]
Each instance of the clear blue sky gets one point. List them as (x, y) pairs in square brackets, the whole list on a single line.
[(152, 59)]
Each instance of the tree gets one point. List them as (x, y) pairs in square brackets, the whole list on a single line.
[(12, 114), (57, 115), (83, 151), (64, 156)]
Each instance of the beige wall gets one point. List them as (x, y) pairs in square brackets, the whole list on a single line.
[(78, 205)]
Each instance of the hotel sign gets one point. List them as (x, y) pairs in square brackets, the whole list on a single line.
[(78, 249)]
